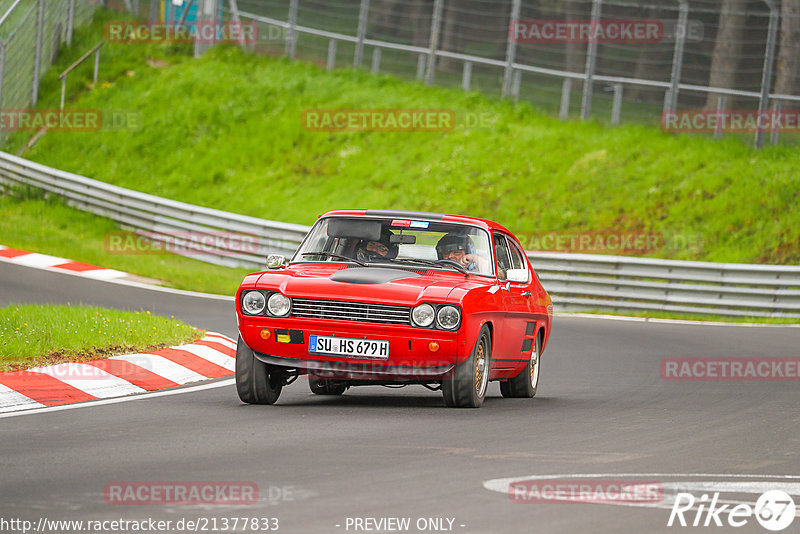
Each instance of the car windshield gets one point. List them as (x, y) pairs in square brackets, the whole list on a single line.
[(434, 244)]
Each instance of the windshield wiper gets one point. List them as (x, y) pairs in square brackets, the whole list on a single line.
[(337, 256), (440, 263)]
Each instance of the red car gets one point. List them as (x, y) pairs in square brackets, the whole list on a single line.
[(377, 297)]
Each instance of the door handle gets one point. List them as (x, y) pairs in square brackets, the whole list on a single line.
[(526, 293)]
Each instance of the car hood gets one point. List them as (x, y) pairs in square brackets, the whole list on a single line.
[(384, 285)]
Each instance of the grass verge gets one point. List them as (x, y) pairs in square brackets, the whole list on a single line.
[(36, 335)]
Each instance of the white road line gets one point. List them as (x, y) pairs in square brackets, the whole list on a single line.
[(222, 340), (213, 356), (103, 274), (13, 400), (162, 367), (89, 379), (102, 402), (41, 261)]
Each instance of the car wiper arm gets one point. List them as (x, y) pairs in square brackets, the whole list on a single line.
[(434, 264), (337, 256)]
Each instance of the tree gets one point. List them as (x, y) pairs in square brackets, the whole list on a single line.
[(727, 49), (788, 70)]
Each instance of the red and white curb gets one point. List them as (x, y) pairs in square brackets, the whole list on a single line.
[(43, 261), (213, 356)]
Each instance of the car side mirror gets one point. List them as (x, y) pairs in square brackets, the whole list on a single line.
[(275, 261), (517, 275)]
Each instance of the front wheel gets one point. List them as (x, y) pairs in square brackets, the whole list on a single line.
[(256, 382), (467, 384), (524, 385)]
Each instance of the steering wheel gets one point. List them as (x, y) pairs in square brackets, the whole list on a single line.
[(451, 262)]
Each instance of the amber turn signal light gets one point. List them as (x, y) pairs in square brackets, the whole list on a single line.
[(266, 333), (433, 346)]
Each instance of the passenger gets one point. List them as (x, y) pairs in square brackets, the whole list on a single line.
[(460, 249), (376, 251)]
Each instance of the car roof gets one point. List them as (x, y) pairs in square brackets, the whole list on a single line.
[(419, 215)]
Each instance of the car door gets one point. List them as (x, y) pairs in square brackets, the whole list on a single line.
[(516, 305)]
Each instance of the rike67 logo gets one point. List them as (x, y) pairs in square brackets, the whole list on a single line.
[(775, 510)]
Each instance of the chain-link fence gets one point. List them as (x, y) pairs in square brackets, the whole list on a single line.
[(723, 60), (707, 66), (30, 33)]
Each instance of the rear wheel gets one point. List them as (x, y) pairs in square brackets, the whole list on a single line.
[(321, 386), (467, 384), (524, 385), (256, 382)]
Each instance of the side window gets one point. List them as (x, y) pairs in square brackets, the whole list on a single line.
[(517, 257), (501, 251)]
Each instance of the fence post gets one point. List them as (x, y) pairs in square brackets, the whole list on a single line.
[(2, 70), (376, 59), (671, 101), (291, 32), (516, 81), (237, 20), (331, 54), (436, 28), (70, 21), (37, 60), (777, 105), (466, 76), (721, 100), (96, 68), (616, 109), (566, 89), (766, 75), (154, 11), (363, 16), (511, 48), (591, 62)]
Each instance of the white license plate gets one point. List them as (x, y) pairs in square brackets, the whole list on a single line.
[(345, 346)]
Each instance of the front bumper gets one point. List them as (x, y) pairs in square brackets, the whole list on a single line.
[(410, 357)]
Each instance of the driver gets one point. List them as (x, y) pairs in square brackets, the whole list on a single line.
[(460, 249), (381, 250)]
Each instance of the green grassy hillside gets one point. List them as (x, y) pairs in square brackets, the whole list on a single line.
[(225, 131)]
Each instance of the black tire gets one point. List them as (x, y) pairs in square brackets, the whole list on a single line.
[(524, 385), (256, 382), (467, 384), (320, 386)]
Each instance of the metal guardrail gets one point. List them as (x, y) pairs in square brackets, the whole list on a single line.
[(577, 282), (162, 219)]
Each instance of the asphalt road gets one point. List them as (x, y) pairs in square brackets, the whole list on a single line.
[(378, 453)]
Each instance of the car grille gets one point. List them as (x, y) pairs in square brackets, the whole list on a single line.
[(340, 310)]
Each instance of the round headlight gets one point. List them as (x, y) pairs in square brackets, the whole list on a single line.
[(448, 317), (253, 302), (423, 315), (279, 305)]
